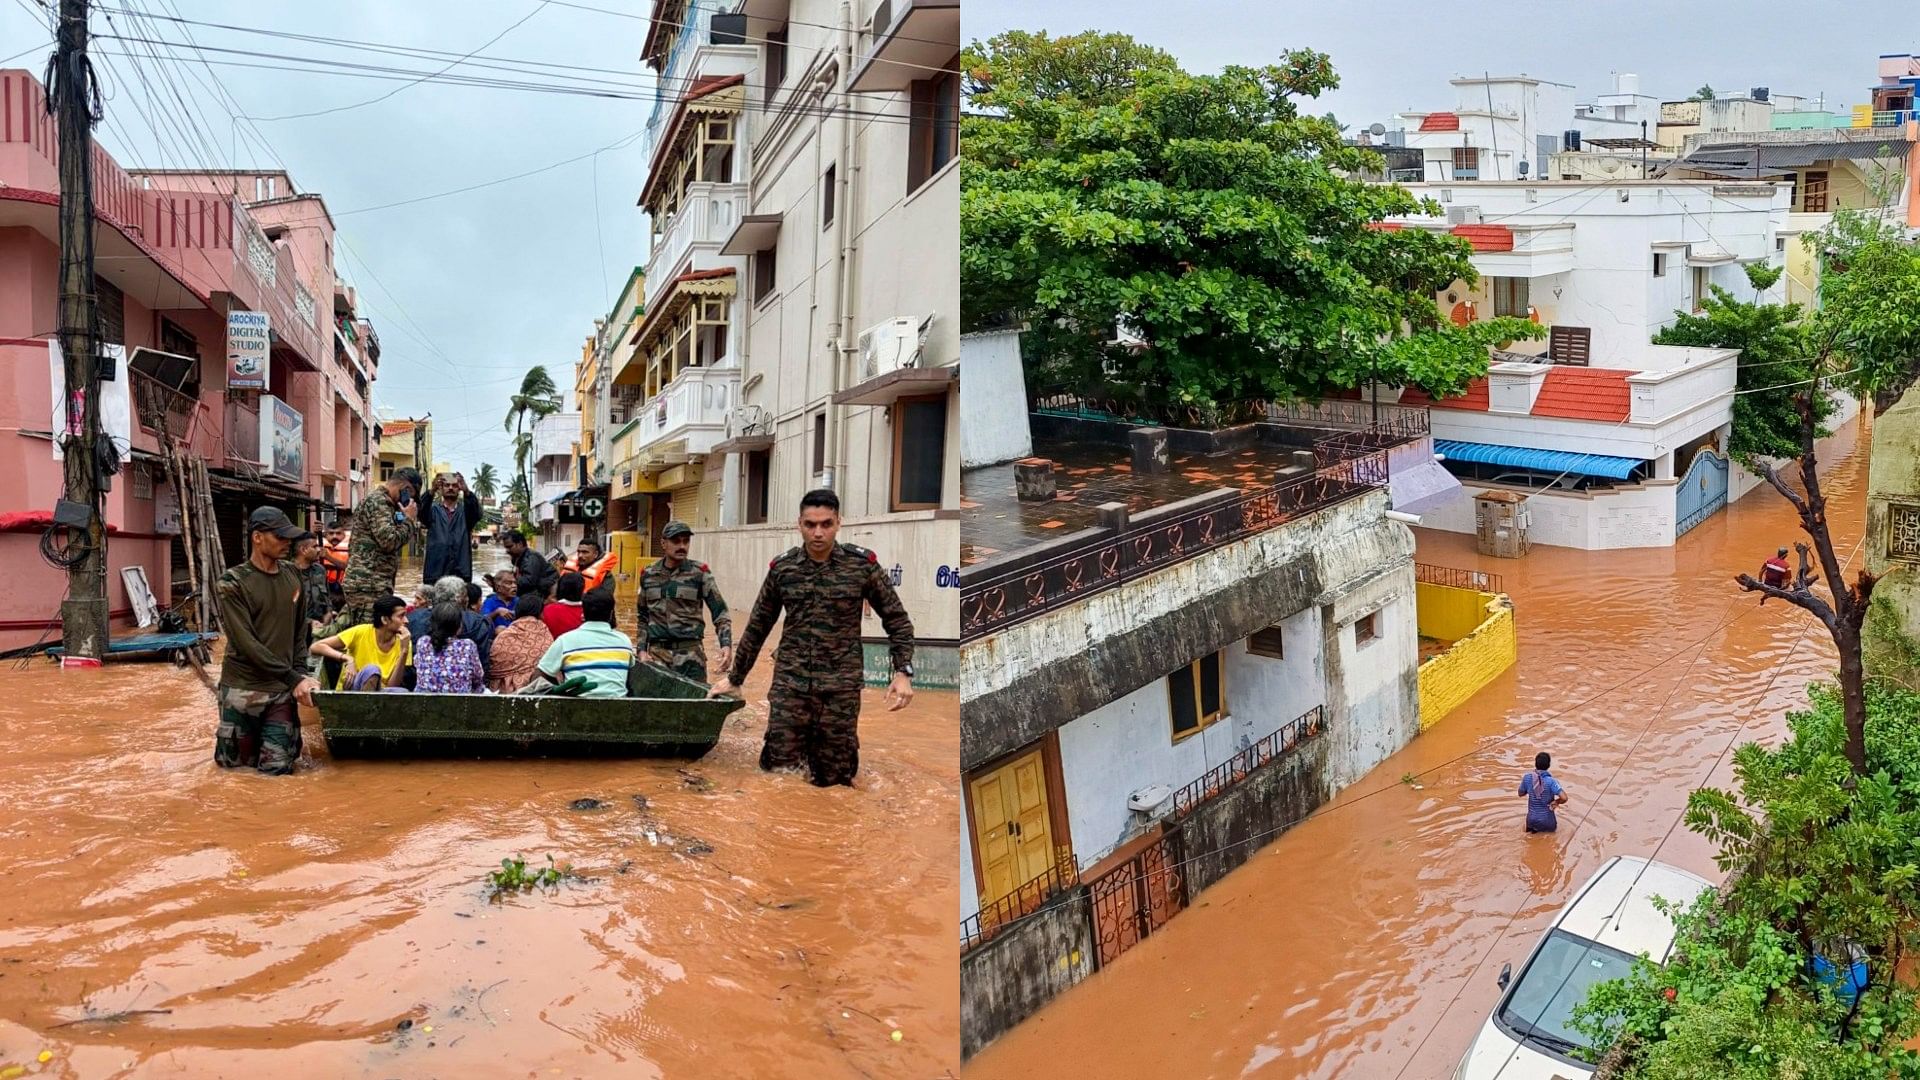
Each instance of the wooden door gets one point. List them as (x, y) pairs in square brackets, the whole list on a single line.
[(1012, 825), (1813, 192)]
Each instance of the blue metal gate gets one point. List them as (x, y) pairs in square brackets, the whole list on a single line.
[(1702, 492)]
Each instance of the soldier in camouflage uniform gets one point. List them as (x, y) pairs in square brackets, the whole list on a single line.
[(813, 704), (671, 592), (381, 531), (263, 675)]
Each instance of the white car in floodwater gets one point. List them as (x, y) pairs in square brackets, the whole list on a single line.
[(1608, 922)]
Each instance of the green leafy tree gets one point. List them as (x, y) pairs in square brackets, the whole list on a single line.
[(1210, 216), (1823, 865), (486, 482), (538, 398), (1705, 93), (1863, 339), (1774, 369)]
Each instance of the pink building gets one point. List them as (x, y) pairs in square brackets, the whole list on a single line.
[(174, 253)]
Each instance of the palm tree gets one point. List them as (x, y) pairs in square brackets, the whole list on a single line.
[(486, 482), (538, 398)]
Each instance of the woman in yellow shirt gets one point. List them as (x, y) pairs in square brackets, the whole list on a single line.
[(371, 651)]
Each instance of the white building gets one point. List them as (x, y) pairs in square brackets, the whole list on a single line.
[(802, 321), (554, 457), (1619, 442), (1512, 127)]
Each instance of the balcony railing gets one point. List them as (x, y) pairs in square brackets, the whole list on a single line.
[(1060, 877), (704, 221), (1236, 768), (693, 407), (1455, 578), (243, 433), (999, 598), (1387, 421)]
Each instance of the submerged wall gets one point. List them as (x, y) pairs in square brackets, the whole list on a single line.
[(1485, 642)]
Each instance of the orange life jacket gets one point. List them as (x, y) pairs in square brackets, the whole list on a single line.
[(596, 574)]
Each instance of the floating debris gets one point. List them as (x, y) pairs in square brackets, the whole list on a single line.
[(586, 804)]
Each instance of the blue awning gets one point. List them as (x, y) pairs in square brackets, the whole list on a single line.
[(1547, 461)]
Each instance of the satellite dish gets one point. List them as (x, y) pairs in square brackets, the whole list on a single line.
[(1377, 129)]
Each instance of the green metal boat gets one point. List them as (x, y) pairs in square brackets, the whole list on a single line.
[(663, 715)]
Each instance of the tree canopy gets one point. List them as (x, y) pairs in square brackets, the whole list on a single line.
[(1775, 366), (1210, 215)]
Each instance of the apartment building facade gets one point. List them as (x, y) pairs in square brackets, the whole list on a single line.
[(802, 327), (177, 252)]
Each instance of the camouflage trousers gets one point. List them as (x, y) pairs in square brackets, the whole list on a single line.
[(259, 729), (815, 729), (688, 663)]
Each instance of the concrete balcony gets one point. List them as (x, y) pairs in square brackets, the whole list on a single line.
[(691, 239), (686, 418), (242, 435)]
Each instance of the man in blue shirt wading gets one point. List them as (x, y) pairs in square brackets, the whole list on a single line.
[(1543, 793)]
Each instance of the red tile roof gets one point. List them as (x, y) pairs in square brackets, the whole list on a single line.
[(699, 88), (1486, 237), (1582, 393), (1440, 121), (1475, 398), (1385, 226)]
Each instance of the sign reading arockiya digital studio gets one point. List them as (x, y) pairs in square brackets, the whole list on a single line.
[(248, 345)]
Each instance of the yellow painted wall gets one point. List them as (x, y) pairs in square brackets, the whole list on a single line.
[(1485, 643)]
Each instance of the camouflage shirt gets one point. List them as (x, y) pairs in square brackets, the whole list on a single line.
[(373, 559), (670, 600), (820, 642)]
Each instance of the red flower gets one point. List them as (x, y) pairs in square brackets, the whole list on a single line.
[(1670, 993)]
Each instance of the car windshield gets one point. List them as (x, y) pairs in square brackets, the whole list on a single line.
[(1541, 1005)]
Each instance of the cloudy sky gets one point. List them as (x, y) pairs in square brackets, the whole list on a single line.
[(469, 290), (1397, 55)]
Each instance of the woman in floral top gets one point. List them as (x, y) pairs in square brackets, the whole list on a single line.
[(517, 649), (445, 664)]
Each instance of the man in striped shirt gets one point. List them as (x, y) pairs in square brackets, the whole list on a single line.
[(596, 651)]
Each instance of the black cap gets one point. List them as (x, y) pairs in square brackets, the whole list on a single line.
[(274, 520)]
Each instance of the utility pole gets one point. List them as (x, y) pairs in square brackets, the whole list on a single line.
[(83, 615)]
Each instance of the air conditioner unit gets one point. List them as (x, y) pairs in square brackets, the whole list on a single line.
[(748, 420), (1463, 215), (892, 345)]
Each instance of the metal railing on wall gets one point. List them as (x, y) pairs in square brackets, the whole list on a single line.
[(1217, 780), (979, 928), (1024, 591), (1455, 578)]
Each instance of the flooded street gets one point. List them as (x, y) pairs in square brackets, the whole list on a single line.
[(185, 921), (1366, 942)]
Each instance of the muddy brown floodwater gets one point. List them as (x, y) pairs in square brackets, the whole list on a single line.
[(335, 923), (1381, 925)]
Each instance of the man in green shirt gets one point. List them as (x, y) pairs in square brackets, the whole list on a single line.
[(263, 611), (595, 651)]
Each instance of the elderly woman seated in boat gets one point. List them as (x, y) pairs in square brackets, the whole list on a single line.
[(373, 655), (453, 590), (596, 653), (517, 649), (444, 662)]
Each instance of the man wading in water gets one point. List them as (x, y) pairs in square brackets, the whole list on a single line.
[(263, 612), (813, 705), (1543, 793)]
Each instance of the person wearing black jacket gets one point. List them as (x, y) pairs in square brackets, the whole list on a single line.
[(450, 522), (535, 574)]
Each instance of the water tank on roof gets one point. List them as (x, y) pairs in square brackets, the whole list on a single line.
[(1570, 139), (1759, 93)]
